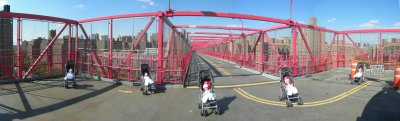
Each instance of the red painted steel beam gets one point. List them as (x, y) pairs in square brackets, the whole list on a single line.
[(270, 29), (169, 23), (294, 50), (272, 44), (44, 52), (230, 15), (19, 54), (160, 51), (355, 45), (128, 56), (214, 33), (76, 46), (142, 33), (370, 31), (308, 48), (148, 14), (110, 52), (267, 29), (330, 46), (36, 17), (255, 44), (94, 53), (199, 39), (69, 42), (209, 36), (217, 27), (315, 27), (206, 14)]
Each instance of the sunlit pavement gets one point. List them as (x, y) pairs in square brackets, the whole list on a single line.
[(243, 96)]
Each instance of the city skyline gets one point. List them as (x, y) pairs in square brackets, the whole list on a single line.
[(122, 26)]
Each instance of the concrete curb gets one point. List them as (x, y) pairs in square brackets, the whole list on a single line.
[(221, 59), (258, 72), (31, 79), (127, 83), (249, 70)]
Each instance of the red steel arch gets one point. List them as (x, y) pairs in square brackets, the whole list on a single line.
[(221, 45)]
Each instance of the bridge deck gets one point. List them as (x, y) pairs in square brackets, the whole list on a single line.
[(242, 95)]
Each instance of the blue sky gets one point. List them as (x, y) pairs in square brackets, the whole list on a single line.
[(333, 14)]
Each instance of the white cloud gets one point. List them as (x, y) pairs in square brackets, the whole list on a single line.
[(234, 25), (371, 24), (3, 2), (331, 20), (143, 6), (351, 26), (397, 25), (150, 2), (80, 6), (373, 21)]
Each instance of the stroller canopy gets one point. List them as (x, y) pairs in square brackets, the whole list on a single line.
[(70, 65), (360, 65), (145, 68), (286, 72), (205, 75)]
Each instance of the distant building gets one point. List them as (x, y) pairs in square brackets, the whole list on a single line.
[(143, 41), (153, 40), (6, 43)]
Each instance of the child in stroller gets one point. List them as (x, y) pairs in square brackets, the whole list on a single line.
[(359, 76), (207, 97), (288, 90), (147, 84), (70, 77)]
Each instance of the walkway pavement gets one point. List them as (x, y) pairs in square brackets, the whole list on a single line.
[(243, 96)]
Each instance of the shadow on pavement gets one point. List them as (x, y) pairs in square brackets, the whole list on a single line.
[(238, 75), (16, 114), (384, 106), (224, 103)]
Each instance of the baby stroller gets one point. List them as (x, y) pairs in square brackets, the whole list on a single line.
[(359, 76), (286, 72), (70, 65), (206, 78), (146, 74)]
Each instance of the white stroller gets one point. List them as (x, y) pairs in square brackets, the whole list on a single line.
[(148, 86), (286, 73), (359, 76), (69, 66), (206, 79)]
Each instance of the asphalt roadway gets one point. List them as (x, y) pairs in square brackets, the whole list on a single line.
[(243, 96)]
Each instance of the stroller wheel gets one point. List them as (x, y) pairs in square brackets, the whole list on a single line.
[(352, 82), (359, 82), (66, 85), (281, 98), (299, 101), (289, 104), (202, 111), (75, 86)]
